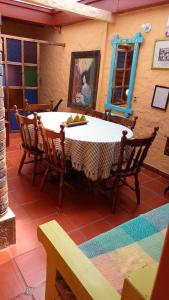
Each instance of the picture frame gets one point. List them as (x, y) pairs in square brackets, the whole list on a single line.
[(83, 82), (161, 55), (160, 97)]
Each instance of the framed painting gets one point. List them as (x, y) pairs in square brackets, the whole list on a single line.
[(161, 55), (160, 97), (83, 82)]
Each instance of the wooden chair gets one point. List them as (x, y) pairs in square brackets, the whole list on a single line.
[(95, 113), (40, 107), (57, 105), (55, 157), (29, 135), (131, 157), (130, 123)]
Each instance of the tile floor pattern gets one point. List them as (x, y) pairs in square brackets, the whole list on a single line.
[(22, 266)]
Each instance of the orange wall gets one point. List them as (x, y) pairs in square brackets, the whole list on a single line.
[(55, 69), (95, 35), (146, 78)]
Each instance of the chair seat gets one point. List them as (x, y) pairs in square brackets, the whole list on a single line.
[(32, 150), (123, 172)]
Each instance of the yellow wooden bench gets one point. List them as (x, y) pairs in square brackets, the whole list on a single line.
[(71, 275)]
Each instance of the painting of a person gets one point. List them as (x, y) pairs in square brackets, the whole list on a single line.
[(84, 97), (83, 79)]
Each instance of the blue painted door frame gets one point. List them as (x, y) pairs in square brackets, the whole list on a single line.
[(137, 40)]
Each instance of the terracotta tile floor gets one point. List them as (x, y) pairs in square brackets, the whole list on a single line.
[(22, 266)]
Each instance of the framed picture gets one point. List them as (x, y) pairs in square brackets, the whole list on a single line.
[(84, 73), (160, 97), (161, 55)]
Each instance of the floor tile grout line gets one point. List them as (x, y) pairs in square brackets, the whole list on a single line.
[(19, 272), (153, 192), (154, 179), (84, 236), (17, 255), (73, 224), (54, 213), (26, 213), (89, 224), (149, 189), (27, 252)]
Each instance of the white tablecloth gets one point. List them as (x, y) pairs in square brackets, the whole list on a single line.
[(92, 147)]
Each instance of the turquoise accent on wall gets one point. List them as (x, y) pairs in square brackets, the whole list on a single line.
[(137, 40)]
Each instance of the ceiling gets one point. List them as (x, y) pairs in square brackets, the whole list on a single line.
[(32, 13), (119, 6)]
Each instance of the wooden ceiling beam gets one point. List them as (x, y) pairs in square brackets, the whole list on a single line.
[(76, 8)]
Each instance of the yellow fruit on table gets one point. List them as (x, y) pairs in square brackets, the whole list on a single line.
[(82, 118), (69, 120), (76, 118)]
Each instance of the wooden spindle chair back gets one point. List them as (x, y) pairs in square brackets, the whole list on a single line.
[(28, 130), (39, 107), (29, 136), (95, 113), (136, 151), (54, 156), (53, 144), (130, 161), (56, 107), (130, 123)]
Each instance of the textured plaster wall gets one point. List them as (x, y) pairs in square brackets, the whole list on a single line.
[(91, 35), (84, 36), (94, 35), (146, 78)]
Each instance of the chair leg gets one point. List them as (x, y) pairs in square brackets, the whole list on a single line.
[(115, 194), (137, 188), (34, 169), (43, 179), (60, 190), (40, 159), (90, 186), (22, 162)]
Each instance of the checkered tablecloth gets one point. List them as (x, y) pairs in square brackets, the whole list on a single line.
[(92, 148)]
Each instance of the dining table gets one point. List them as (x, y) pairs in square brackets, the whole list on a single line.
[(92, 147)]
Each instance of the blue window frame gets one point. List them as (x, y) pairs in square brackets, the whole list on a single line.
[(118, 61)]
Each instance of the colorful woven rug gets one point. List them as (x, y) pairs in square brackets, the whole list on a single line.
[(128, 247)]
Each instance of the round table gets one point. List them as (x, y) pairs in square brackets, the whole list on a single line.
[(93, 147)]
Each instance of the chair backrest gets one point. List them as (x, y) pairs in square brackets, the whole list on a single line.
[(28, 130), (95, 113), (130, 123), (133, 152), (40, 107), (53, 144), (57, 105)]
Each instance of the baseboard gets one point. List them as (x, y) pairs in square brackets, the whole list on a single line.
[(151, 168)]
